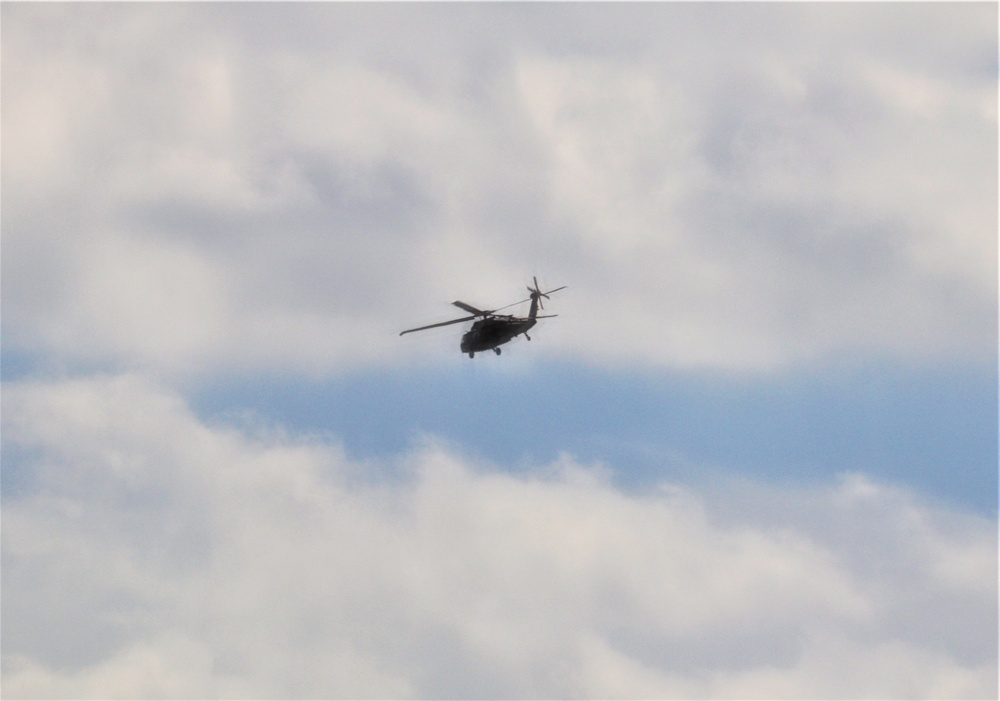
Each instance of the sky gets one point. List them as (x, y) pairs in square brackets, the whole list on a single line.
[(754, 455)]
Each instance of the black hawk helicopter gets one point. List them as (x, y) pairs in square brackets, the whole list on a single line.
[(492, 330)]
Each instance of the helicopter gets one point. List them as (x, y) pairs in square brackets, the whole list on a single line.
[(492, 330)]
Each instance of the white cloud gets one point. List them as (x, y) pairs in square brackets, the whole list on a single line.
[(146, 553), (319, 178), (196, 188)]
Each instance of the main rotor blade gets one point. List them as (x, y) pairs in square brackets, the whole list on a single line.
[(512, 304), (546, 294), (443, 323), (472, 310), (526, 299)]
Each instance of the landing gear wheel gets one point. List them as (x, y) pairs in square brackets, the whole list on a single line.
[(497, 351), (472, 354), (527, 337)]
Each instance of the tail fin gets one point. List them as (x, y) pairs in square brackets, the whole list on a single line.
[(535, 295)]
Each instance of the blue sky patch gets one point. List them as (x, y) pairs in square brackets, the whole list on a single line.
[(932, 428)]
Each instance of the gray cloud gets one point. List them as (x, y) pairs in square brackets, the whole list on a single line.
[(286, 187), (154, 555)]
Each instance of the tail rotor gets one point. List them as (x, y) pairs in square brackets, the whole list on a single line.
[(537, 294)]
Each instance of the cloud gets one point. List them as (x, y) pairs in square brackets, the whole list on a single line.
[(275, 191), (146, 553), (285, 189)]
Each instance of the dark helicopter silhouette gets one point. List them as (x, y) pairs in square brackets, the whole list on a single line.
[(492, 330)]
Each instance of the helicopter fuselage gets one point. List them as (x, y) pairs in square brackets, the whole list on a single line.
[(492, 332)]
